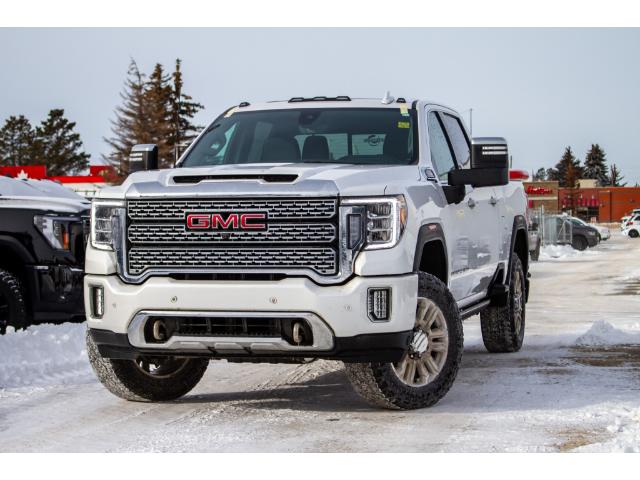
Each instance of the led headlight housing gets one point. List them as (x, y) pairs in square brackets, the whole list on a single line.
[(384, 220), (56, 230), (103, 214)]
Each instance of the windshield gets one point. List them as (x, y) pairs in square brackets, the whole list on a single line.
[(308, 135)]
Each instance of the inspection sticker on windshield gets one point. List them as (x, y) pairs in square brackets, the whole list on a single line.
[(404, 111), (404, 125)]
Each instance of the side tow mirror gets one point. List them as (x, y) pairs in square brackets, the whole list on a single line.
[(143, 157), (489, 164)]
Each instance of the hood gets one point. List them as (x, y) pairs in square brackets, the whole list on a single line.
[(40, 195), (293, 179)]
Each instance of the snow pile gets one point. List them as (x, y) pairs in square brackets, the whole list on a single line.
[(560, 252), (602, 333), (44, 355), (624, 433)]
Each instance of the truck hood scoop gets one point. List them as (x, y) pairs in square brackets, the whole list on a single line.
[(268, 178)]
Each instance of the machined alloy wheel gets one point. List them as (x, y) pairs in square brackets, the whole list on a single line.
[(518, 301), (428, 350), (431, 362), (162, 367)]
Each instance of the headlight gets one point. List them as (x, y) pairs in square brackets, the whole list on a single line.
[(102, 215), (385, 220), (55, 230)]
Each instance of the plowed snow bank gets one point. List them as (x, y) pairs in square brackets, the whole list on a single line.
[(44, 355)]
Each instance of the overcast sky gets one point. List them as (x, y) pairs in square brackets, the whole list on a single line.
[(541, 89)]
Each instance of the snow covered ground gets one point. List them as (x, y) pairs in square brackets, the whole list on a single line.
[(575, 386)]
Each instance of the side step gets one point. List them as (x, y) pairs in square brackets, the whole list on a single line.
[(473, 309)]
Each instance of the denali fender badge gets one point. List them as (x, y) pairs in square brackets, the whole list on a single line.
[(227, 221)]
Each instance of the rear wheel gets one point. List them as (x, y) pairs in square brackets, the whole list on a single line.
[(429, 367), (13, 312), (633, 233), (146, 379), (503, 326), (535, 254), (579, 243)]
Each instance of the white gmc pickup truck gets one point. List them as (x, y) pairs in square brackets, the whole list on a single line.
[(361, 230)]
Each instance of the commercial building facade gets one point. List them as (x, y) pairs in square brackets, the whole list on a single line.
[(591, 203)]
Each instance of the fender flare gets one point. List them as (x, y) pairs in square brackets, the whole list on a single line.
[(428, 233), (8, 242), (519, 224)]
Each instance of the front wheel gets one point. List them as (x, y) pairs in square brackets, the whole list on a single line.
[(579, 243), (429, 367), (633, 233), (13, 310), (146, 379)]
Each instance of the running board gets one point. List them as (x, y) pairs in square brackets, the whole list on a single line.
[(473, 309)]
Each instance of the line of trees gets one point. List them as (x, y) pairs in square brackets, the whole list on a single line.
[(54, 143), (568, 171), (154, 109)]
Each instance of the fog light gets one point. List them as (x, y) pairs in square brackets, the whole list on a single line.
[(97, 302), (379, 304)]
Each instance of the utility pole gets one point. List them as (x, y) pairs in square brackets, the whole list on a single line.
[(471, 121)]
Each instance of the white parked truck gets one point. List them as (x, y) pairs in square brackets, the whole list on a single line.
[(361, 230)]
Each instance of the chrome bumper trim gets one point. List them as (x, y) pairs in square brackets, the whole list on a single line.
[(322, 334)]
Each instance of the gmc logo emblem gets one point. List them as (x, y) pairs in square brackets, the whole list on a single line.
[(226, 221)]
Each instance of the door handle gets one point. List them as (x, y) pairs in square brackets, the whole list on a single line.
[(471, 203), (493, 200)]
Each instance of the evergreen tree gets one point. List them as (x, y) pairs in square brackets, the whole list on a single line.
[(157, 98), (540, 175), (615, 177), (568, 169), (551, 174), (16, 142), (595, 166), (58, 146), (154, 110), (131, 125), (183, 109)]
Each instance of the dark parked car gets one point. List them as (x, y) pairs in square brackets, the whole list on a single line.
[(583, 235), (42, 229)]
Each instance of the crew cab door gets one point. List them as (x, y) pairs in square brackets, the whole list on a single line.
[(472, 226)]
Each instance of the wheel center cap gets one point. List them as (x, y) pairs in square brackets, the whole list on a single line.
[(420, 342)]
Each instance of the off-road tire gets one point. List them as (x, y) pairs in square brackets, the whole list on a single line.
[(125, 379), (579, 243), (633, 233), (535, 254), (379, 384), (12, 302), (500, 333)]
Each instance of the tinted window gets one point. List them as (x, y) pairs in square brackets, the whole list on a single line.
[(441, 156), (457, 138), (308, 135)]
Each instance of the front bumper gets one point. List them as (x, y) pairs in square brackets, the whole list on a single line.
[(342, 310), (56, 293)]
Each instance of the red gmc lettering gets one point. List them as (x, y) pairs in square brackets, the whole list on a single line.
[(231, 221), (198, 221), (244, 221)]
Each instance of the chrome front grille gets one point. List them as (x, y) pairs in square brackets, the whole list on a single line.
[(322, 260), (159, 233), (300, 235), (278, 209)]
